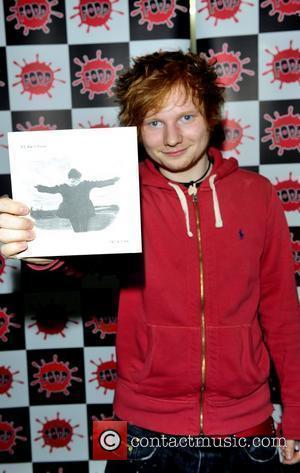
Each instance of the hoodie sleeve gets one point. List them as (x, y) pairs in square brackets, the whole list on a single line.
[(280, 315)]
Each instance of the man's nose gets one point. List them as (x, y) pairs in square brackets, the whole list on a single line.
[(172, 135)]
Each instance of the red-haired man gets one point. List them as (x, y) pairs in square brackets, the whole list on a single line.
[(217, 294)]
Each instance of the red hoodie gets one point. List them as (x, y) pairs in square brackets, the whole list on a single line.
[(218, 296)]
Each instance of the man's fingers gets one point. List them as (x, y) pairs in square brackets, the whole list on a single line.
[(10, 250), (15, 223), (290, 452), (10, 206), (9, 236), (295, 459)]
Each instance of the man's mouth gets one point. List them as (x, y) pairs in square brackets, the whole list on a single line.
[(175, 152)]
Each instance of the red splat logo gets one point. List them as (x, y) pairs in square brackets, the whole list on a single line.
[(223, 9), (51, 319), (7, 379), (282, 8), (54, 376), (101, 124), (95, 13), (40, 126), (289, 193), (57, 433), (3, 266), (103, 325), (6, 323), (33, 15), (296, 253), (154, 12), (105, 374), (9, 436), (97, 76), (229, 67), (37, 77), (234, 134), (1, 145), (284, 132), (285, 65)]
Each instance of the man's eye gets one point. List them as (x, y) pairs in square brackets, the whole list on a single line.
[(187, 118), (155, 124)]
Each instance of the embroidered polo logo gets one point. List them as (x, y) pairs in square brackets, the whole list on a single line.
[(241, 234)]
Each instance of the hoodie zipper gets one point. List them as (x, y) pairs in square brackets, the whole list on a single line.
[(203, 341)]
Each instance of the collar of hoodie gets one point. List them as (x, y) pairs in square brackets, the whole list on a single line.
[(221, 168), (183, 201)]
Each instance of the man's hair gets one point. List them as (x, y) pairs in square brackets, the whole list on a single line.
[(146, 85)]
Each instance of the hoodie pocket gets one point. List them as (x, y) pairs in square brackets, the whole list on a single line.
[(172, 364), (243, 362)]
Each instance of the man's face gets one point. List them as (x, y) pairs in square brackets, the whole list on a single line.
[(176, 137)]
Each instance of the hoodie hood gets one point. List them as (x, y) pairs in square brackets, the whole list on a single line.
[(150, 176)]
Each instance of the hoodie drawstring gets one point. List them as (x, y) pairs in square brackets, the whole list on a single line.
[(218, 218), (184, 205)]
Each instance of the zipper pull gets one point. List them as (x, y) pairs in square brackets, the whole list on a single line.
[(192, 190)]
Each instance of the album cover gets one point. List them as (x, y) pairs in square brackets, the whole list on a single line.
[(81, 187)]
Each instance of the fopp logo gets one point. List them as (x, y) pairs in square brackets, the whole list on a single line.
[(289, 193), (97, 76), (282, 8), (57, 433), (223, 9), (40, 126), (105, 374), (102, 325), (154, 12), (33, 15), (285, 65), (6, 323), (54, 377), (234, 134), (3, 265), (36, 77), (284, 132), (9, 435), (100, 124), (229, 67), (7, 378), (95, 13), (51, 319)]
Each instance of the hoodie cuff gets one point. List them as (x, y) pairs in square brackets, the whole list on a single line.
[(52, 266)]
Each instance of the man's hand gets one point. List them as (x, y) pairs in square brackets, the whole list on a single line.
[(15, 228), (291, 452)]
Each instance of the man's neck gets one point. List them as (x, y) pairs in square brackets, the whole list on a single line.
[(189, 175)]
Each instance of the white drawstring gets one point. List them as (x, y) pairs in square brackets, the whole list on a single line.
[(218, 218), (184, 205)]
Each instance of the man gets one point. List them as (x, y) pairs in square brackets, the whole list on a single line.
[(216, 293)]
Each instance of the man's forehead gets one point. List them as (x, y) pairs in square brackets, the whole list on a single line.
[(176, 100)]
